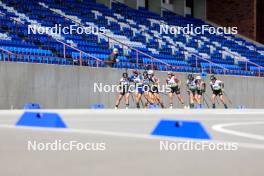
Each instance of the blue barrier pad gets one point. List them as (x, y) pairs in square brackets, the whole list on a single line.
[(32, 106), (39, 119), (181, 129), (153, 106), (97, 106)]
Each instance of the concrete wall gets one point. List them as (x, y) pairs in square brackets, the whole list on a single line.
[(155, 6), (131, 3), (72, 87), (105, 2), (167, 6), (179, 7), (199, 9), (141, 3), (122, 1)]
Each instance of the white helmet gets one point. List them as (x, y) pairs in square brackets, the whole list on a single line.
[(150, 72), (170, 73), (198, 77), (115, 50)]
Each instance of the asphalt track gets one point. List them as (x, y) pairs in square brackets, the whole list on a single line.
[(130, 149)]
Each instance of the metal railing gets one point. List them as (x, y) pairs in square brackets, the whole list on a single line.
[(122, 44), (145, 54), (98, 61), (235, 55), (197, 56), (15, 57), (247, 62), (8, 56)]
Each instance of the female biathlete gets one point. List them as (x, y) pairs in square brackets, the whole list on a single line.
[(192, 90), (124, 92), (154, 88), (137, 79), (201, 88), (217, 87), (146, 89), (174, 84)]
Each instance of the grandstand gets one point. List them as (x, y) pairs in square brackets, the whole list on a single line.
[(135, 32), (59, 115)]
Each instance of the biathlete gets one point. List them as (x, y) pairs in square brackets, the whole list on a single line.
[(124, 92), (201, 89), (154, 88), (174, 84), (192, 90), (137, 79), (217, 87), (146, 88)]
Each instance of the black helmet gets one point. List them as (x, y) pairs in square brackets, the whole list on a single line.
[(135, 72), (190, 76), (125, 75), (213, 77), (145, 73)]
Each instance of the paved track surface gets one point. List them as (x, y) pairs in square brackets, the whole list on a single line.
[(130, 149)]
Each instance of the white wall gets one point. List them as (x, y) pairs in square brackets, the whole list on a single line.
[(199, 10), (122, 1), (179, 7), (141, 3), (167, 6), (55, 86)]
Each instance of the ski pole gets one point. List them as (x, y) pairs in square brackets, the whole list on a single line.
[(228, 99), (205, 101)]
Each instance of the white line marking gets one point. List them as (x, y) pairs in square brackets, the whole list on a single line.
[(142, 111), (109, 119), (220, 128), (129, 135)]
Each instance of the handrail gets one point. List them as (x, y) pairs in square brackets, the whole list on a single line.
[(97, 59), (22, 56), (36, 56), (225, 50), (123, 44), (185, 49), (27, 57), (138, 51), (253, 63), (174, 45), (218, 65), (9, 52), (65, 44), (246, 60)]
